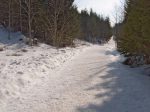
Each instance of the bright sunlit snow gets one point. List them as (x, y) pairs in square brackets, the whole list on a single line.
[(46, 79)]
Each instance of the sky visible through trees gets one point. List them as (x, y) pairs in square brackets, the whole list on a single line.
[(102, 7)]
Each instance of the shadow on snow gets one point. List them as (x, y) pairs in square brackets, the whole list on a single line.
[(123, 90)]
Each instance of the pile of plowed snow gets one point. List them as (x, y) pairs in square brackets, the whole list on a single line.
[(22, 66)]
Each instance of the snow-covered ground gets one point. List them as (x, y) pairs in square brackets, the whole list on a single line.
[(22, 66), (82, 79)]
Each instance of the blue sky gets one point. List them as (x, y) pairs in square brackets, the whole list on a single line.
[(102, 7)]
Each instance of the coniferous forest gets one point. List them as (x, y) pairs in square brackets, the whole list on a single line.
[(55, 22), (133, 38)]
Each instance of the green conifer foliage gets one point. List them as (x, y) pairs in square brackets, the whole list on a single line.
[(135, 37)]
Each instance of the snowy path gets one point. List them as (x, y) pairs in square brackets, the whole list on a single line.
[(94, 81)]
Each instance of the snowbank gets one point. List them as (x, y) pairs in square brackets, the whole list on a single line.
[(22, 66)]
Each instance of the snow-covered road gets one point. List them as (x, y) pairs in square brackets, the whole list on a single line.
[(94, 81)]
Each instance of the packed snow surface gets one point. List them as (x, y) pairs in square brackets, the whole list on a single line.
[(83, 79)]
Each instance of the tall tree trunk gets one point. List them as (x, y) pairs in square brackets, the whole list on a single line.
[(9, 26), (29, 19), (20, 14), (55, 29)]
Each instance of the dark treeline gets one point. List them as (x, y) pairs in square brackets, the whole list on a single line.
[(94, 28), (134, 36), (55, 22)]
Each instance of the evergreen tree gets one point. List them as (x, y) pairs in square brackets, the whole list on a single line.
[(135, 37)]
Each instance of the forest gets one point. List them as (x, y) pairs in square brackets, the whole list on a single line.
[(133, 36), (58, 23), (55, 22)]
